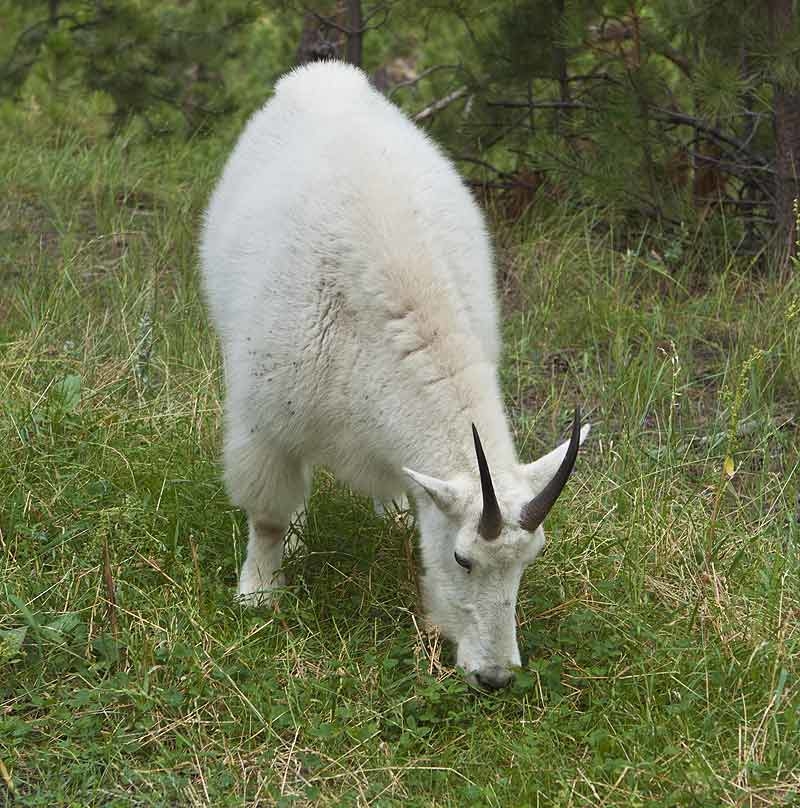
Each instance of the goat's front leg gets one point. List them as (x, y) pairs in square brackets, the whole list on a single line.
[(261, 571)]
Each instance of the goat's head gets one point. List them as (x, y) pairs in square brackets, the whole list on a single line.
[(478, 535)]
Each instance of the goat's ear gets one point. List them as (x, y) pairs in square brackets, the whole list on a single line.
[(444, 494), (541, 471)]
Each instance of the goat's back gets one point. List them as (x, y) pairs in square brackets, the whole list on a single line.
[(346, 268)]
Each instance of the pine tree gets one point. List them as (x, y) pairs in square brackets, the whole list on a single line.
[(154, 60), (656, 107)]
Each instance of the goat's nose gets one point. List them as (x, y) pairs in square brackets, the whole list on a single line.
[(494, 677)]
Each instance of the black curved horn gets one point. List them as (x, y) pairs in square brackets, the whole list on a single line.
[(491, 522), (534, 512)]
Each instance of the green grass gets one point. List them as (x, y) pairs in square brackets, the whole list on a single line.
[(660, 628)]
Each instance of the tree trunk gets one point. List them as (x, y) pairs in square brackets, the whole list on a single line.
[(355, 32), (787, 141), (750, 238), (560, 59), (317, 41)]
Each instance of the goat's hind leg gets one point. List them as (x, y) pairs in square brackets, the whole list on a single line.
[(269, 492)]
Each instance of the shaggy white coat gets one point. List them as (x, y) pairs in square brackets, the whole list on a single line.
[(350, 278)]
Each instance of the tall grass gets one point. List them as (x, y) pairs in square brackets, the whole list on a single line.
[(659, 630)]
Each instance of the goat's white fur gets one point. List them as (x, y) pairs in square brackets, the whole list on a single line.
[(349, 275)]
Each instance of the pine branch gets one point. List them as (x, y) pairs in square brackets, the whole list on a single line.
[(682, 119), (540, 105), (439, 105), (644, 203), (424, 74), (382, 8), (32, 37)]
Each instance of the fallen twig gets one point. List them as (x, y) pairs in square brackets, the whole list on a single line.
[(111, 598)]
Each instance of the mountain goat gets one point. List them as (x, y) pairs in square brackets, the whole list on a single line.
[(350, 278)]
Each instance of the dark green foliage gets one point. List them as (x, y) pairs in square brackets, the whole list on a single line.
[(678, 113), (161, 61), (652, 109)]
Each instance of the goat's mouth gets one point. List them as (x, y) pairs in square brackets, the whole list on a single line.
[(490, 678)]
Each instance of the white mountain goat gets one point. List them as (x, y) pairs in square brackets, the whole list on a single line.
[(350, 277)]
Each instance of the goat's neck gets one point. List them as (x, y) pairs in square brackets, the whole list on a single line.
[(449, 450)]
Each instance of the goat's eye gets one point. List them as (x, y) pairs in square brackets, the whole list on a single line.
[(463, 562)]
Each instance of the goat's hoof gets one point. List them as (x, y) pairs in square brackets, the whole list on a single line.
[(253, 594)]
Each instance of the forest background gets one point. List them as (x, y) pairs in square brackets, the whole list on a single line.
[(637, 162)]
